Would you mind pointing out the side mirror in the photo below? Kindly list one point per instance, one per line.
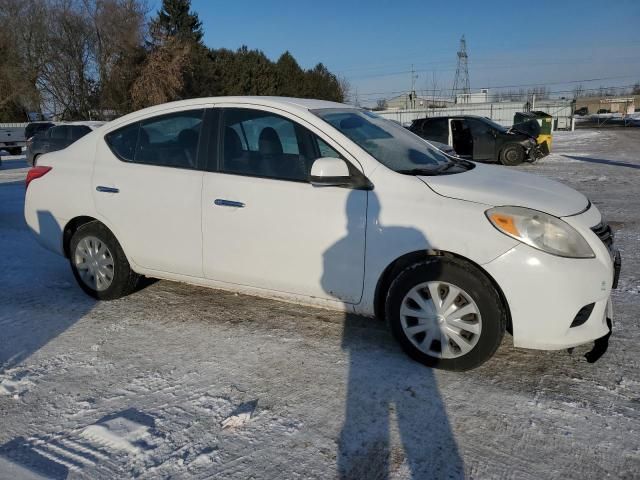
(328, 171)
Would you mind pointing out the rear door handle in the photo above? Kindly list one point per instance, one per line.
(102, 189)
(221, 202)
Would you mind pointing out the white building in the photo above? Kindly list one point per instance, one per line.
(406, 102)
(478, 97)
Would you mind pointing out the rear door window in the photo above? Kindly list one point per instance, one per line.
(168, 140)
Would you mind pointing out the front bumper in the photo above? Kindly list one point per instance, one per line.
(545, 293)
(537, 151)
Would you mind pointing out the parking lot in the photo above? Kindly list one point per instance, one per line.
(179, 381)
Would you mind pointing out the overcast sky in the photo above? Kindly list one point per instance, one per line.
(374, 43)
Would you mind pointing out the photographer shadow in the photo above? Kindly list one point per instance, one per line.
(395, 420)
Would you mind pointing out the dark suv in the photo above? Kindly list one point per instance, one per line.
(35, 128)
(56, 138)
(478, 138)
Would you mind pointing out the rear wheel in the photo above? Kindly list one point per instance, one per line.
(99, 263)
(445, 313)
(512, 155)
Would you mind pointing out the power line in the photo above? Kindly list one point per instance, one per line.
(539, 84)
(480, 63)
(530, 59)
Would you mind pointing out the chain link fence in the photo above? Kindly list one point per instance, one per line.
(499, 112)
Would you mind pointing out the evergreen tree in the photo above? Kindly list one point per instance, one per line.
(290, 76)
(178, 26)
(175, 19)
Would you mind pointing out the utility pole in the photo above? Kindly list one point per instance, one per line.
(461, 80)
(412, 94)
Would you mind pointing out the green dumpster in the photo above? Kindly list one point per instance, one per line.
(544, 120)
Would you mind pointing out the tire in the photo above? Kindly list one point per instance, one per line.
(123, 280)
(476, 292)
(512, 155)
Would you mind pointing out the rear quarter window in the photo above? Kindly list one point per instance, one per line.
(122, 142)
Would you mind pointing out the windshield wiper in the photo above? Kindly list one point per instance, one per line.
(446, 167)
(453, 162)
(419, 171)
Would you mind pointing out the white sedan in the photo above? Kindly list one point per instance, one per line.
(323, 203)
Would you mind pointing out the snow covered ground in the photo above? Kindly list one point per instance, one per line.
(180, 381)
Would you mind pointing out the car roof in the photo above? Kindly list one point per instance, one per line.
(452, 116)
(89, 123)
(291, 103)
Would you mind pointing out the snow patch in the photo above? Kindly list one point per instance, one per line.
(121, 432)
(240, 416)
(15, 384)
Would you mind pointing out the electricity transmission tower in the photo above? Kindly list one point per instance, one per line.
(461, 80)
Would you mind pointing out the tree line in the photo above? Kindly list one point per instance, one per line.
(99, 59)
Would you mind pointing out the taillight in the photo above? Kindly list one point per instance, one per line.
(35, 172)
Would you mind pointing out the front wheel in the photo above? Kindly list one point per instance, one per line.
(445, 313)
(512, 155)
(99, 263)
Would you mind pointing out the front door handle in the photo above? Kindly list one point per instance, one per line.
(102, 189)
(221, 202)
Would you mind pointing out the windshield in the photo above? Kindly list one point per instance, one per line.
(389, 143)
(495, 125)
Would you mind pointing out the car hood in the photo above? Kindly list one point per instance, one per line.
(497, 186)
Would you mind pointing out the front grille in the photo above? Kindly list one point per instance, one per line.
(604, 232)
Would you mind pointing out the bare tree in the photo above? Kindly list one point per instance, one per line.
(345, 88)
(64, 80)
(161, 77)
(24, 35)
(118, 30)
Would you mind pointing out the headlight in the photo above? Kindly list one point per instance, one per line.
(540, 230)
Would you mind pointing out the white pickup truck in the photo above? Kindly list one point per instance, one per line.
(12, 139)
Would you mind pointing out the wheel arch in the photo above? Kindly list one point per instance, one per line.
(70, 228)
(399, 264)
(509, 144)
(76, 222)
